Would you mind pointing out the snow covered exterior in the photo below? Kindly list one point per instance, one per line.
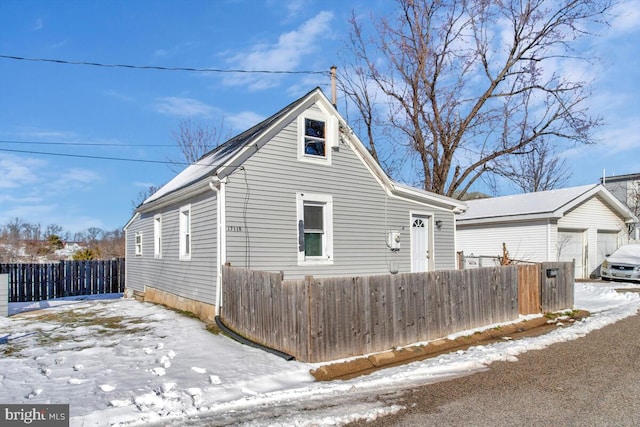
(297, 193)
(581, 224)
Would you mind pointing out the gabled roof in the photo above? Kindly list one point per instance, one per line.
(210, 162)
(543, 204)
(221, 161)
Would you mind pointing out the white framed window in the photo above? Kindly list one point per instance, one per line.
(316, 137)
(138, 243)
(185, 232)
(157, 236)
(315, 228)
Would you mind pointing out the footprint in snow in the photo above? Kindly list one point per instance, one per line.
(107, 387)
(214, 379)
(167, 387)
(33, 393)
(78, 367)
(164, 361)
(147, 350)
(75, 381)
(159, 371)
(199, 370)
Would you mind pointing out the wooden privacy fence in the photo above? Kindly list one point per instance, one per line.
(38, 282)
(320, 319)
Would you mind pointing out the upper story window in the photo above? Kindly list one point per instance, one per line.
(138, 243)
(185, 233)
(314, 137)
(157, 236)
(317, 133)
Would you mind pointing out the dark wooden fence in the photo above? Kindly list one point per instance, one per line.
(320, 319)
(38, 282)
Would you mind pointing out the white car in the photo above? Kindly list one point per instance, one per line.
(623, 264)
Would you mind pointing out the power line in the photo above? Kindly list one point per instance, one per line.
(85, 144)
(156, 67)
(83, 156)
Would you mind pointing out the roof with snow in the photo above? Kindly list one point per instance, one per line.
(230, 155)
(541, 204)
(209, 163)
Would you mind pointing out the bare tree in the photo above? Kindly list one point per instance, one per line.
(194, 140)
(142, 196)
(466, 82)
(539, 169)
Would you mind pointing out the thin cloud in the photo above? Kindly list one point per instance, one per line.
(144, 185)
(290, 51)
(38, 25)
(172, 51)
(243, 120)
(28, 133)
(626, 17)
(118, 95)
(80, 176)
(290, 9)
(19, 172)
(183, 107)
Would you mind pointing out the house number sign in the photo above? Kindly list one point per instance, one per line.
(234, 228)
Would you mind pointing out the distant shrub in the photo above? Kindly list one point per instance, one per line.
(84, 255)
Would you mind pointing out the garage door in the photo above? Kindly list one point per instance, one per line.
(607, 243)
(571, 248)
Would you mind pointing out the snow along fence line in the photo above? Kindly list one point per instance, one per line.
(43, 281)
(322, 319)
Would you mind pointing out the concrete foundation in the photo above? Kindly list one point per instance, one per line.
(205, 312)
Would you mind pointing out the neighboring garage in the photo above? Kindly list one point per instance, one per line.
(580, 224)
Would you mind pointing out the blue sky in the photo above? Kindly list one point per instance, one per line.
(132, 113)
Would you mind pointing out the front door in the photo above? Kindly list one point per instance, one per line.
(419, 243)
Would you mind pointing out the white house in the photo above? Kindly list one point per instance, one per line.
(581, 224)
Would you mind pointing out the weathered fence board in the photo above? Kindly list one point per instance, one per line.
(529, 289)
(556, 286)
(38, 282)
(319, 319)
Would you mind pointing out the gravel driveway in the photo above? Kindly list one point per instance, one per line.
(594, 381)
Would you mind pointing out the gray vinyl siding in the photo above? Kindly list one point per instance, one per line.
(261, 214)
(194, 278)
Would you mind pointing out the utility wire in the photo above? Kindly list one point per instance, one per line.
(85, 144)
(121, 159)
(156, 67)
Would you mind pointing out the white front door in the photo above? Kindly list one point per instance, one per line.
(419, 243)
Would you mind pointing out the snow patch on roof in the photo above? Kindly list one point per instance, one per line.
(540, 202)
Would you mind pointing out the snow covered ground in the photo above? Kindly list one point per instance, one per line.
(121, 362)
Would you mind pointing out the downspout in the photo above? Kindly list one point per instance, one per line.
(219, 186)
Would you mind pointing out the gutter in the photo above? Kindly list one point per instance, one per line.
(219, 186)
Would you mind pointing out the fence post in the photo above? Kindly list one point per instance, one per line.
(308, 285)
(4, 295)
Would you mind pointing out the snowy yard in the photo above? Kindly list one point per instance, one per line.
(122, 362)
